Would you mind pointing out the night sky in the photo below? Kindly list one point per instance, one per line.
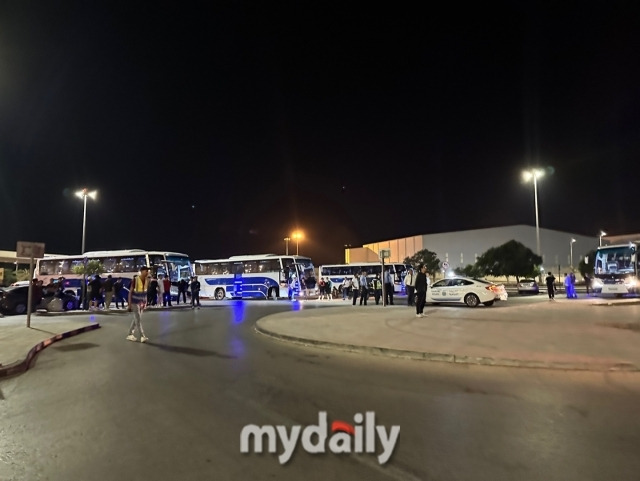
(218, 129)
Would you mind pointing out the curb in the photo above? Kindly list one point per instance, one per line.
(450, 358)
(19, 367)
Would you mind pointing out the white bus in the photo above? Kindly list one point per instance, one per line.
(265, 276)
(616, 269)
(119, 263)
(337, 272)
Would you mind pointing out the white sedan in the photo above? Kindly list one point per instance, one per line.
(471, 292)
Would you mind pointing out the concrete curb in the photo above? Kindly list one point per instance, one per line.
(451, 358)
(19, 367)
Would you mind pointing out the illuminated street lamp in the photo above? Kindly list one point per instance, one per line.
(528, 175)
(83, 194)
(297, 235)
(286, 245)
(602, 234)
(571, 251)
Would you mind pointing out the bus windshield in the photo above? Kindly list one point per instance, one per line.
(615, 260)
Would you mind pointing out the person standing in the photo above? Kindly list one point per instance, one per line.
(388, 287)
(117, 291)
(161, 290)
(183, 286)
(166, 284)
(138, 296)
(364, 288)
(421, 290)
(550, 280)
(346, 286)
(355, 288)
(377, 288)
(409, 284)
(195, 292)
(322, 286)
(108, 292)
(95, 286)
(587, 282)
(152, 294)
(573, 285)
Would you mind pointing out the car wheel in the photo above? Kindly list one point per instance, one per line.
(471, 300)
(219, 294)
(488, 303)
(20, 308)
(69, 305)
(519, 293)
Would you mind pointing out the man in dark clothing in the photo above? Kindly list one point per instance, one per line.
(388, 287)
(117, 292)
(195, 292)
(166, 296)
(587, 282)
(152, 292)
(550, 279)
(377, 288)
(95, 286)
(421, 290)
(183, 285)
(108, 292)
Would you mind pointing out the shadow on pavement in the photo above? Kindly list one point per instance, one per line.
(191, 351)
(75, 347)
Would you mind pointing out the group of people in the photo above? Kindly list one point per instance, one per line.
(102, 292)
(360, 286)
(569, 285)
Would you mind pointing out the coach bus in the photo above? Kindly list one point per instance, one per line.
(122, 264)
(616, 269)
(337, 273)
(265, 276)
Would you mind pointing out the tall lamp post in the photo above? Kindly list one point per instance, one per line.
(286, 245)
(602, 234)
(571, 251)
(83, 194)
(297, 235)
(535, 174)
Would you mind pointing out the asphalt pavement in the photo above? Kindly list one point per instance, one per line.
(96, 406)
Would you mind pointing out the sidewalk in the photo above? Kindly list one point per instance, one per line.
(581, 334)
(19, 344)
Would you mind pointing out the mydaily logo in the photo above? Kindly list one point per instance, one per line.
(345, 438)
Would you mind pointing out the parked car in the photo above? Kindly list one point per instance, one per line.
(13, 300)
(528, 286)
(471, 292)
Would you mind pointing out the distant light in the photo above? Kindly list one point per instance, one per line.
(572, 240)
(527, 175)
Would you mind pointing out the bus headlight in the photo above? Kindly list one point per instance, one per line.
(631, 283)
(596, 284)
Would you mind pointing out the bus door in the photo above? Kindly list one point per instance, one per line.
(238, 271)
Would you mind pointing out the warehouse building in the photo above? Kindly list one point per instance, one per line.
(461, 248)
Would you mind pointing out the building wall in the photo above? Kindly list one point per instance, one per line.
(462, 247)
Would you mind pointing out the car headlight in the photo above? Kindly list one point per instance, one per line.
(597, 284)
(630, 283)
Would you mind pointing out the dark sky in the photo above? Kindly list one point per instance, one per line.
(216, 130)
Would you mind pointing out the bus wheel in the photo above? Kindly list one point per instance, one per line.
(272, 293)
(219, 294)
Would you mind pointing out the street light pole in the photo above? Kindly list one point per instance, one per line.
(83, 194)
(571, 251)
(297, 235)
(535, 174)
(602, 234)
(286, 245)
